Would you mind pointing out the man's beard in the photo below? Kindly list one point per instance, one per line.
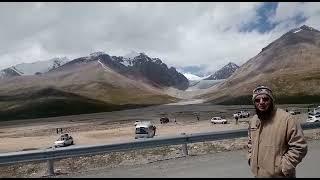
(264, 114)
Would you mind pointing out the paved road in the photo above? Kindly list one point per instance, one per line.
(225, 164)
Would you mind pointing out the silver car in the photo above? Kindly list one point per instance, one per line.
(63, 140)
(218, 120)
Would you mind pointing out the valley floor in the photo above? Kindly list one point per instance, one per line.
(111, 127)
(118, 126)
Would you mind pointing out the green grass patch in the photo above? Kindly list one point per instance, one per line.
(52, 103)
(52, 107)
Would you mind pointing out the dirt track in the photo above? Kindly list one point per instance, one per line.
(42, 136)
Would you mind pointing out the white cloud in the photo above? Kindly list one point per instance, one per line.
(286, 13)
(178, 33)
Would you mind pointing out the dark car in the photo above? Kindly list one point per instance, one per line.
(164, 120)
(294, 112)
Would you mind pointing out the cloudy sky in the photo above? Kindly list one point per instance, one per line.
(181, 34)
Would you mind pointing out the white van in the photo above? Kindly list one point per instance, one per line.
(144, 129)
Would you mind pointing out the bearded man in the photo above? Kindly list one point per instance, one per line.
(276, 143)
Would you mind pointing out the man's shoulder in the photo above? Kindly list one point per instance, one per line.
(283, 115)
(281, 112)
(253, 119)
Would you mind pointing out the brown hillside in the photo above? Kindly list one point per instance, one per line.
(290, 65)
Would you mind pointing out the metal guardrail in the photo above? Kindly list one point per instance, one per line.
(54, 154)
(306, 126)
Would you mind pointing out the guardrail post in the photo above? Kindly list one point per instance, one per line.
(184, 147)
(50, 167)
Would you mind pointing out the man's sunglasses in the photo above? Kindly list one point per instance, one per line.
(264, 99)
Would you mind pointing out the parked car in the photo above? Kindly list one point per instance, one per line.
(241, 114)
(145, 129)
(218, 120)
(164, 120)
(313, 117)
(292, 112)
(63, 140)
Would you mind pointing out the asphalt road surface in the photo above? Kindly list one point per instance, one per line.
(224, 164)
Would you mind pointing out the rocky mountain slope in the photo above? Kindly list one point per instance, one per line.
(95, 83)
(225, 72)
(290, 66)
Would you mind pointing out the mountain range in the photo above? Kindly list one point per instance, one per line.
(290, 65)
(38, 67)
(94, 83)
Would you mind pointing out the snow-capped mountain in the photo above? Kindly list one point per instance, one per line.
(95, 54)
(139, 66)
(33, 68)
(10, 72)
(224, 72)
(134, 65)
(304, 27)
(85, 85)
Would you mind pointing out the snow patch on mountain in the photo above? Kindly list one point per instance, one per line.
(105, 67)
(192, 77)
(297, 30)
(39, 66)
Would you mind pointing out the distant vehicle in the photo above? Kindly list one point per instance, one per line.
(313, 117)
(316, 110)
(292, 112)
(63, 140)
(145, 129)
(218, 120)
(241, 114)
(164, 120)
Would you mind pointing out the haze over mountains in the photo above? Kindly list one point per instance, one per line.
(205, 82)
(100, 82)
